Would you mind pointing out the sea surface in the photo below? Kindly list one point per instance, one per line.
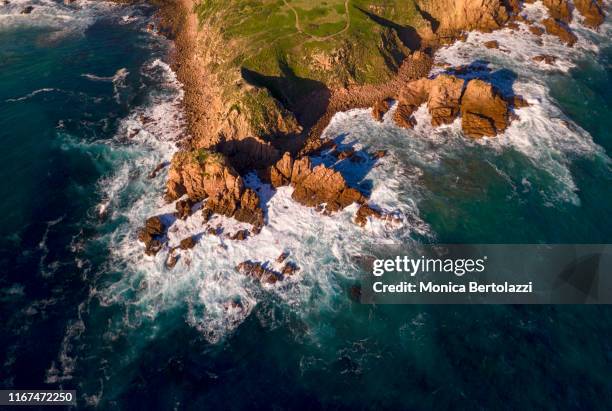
(89, 106)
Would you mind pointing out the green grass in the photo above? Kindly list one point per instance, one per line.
(262, 38)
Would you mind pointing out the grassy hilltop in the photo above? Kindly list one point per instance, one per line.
(290, 48)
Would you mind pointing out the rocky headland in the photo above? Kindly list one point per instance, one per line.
(260, 90)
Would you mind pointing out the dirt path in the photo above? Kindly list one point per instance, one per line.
(298, 27)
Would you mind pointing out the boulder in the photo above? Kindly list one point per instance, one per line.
(282, 257)
(545, 58)
(557, 28)
(591, 11)
(183, 208)
(444, 99)
(239, 235)
(289, 269)
(257, 270)
(187, 243)
(412, 95)
(559, 10)
(518, 102)
(249, 210)
(151, 234)
(280, 173)
(379, 154)
(201, 174)
(484, 111)
(493, 44)
(538, 31)
(380, 108)
(365, 211)
(27, 10)
(324, 185)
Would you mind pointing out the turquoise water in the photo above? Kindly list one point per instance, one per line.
(87, 112)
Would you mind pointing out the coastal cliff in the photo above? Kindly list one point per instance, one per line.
(263, 80)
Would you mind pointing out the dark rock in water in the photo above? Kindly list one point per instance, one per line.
(157, 169)
(518, 102)
(365, 211)
(5, 2)
(346, 154)
(206, 214)
(538, 31)
(493, 44)
(546, 58)
(152, 247)
(379, 154)
(282, 257)
(171, 260)
(379, 109)
(258, 271)
(150, 233)
(561, 30)
(355, 293)
(213, 231)
(289, 269)
(240, 235)
(187, 243)
(183, 208)
(27, 10)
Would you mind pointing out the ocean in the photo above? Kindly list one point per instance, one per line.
(89, 106)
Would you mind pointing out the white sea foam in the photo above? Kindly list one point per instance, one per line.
(32, 94)
(218, 298)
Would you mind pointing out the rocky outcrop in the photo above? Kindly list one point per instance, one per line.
(204, 175)
(313, 186)
(412, 95)
(559, 10)
(201, 174)
(187, 243)
(559, 29)
(380, 109)
(183, 208)
(264, 273)
(151, 235)
(591, 11)
(545, 58)
(484, 111)
(324, 185)
(444, 99)
(455, 16)
(364, 212)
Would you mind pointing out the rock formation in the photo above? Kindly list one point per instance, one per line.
(151, 235)
(380, 108)
(203, 175)
(484, 111)
(591, 11)
(559, 29)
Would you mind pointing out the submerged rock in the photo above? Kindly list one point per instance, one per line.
(27, 10)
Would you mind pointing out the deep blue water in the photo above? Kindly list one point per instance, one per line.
(61, 328)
